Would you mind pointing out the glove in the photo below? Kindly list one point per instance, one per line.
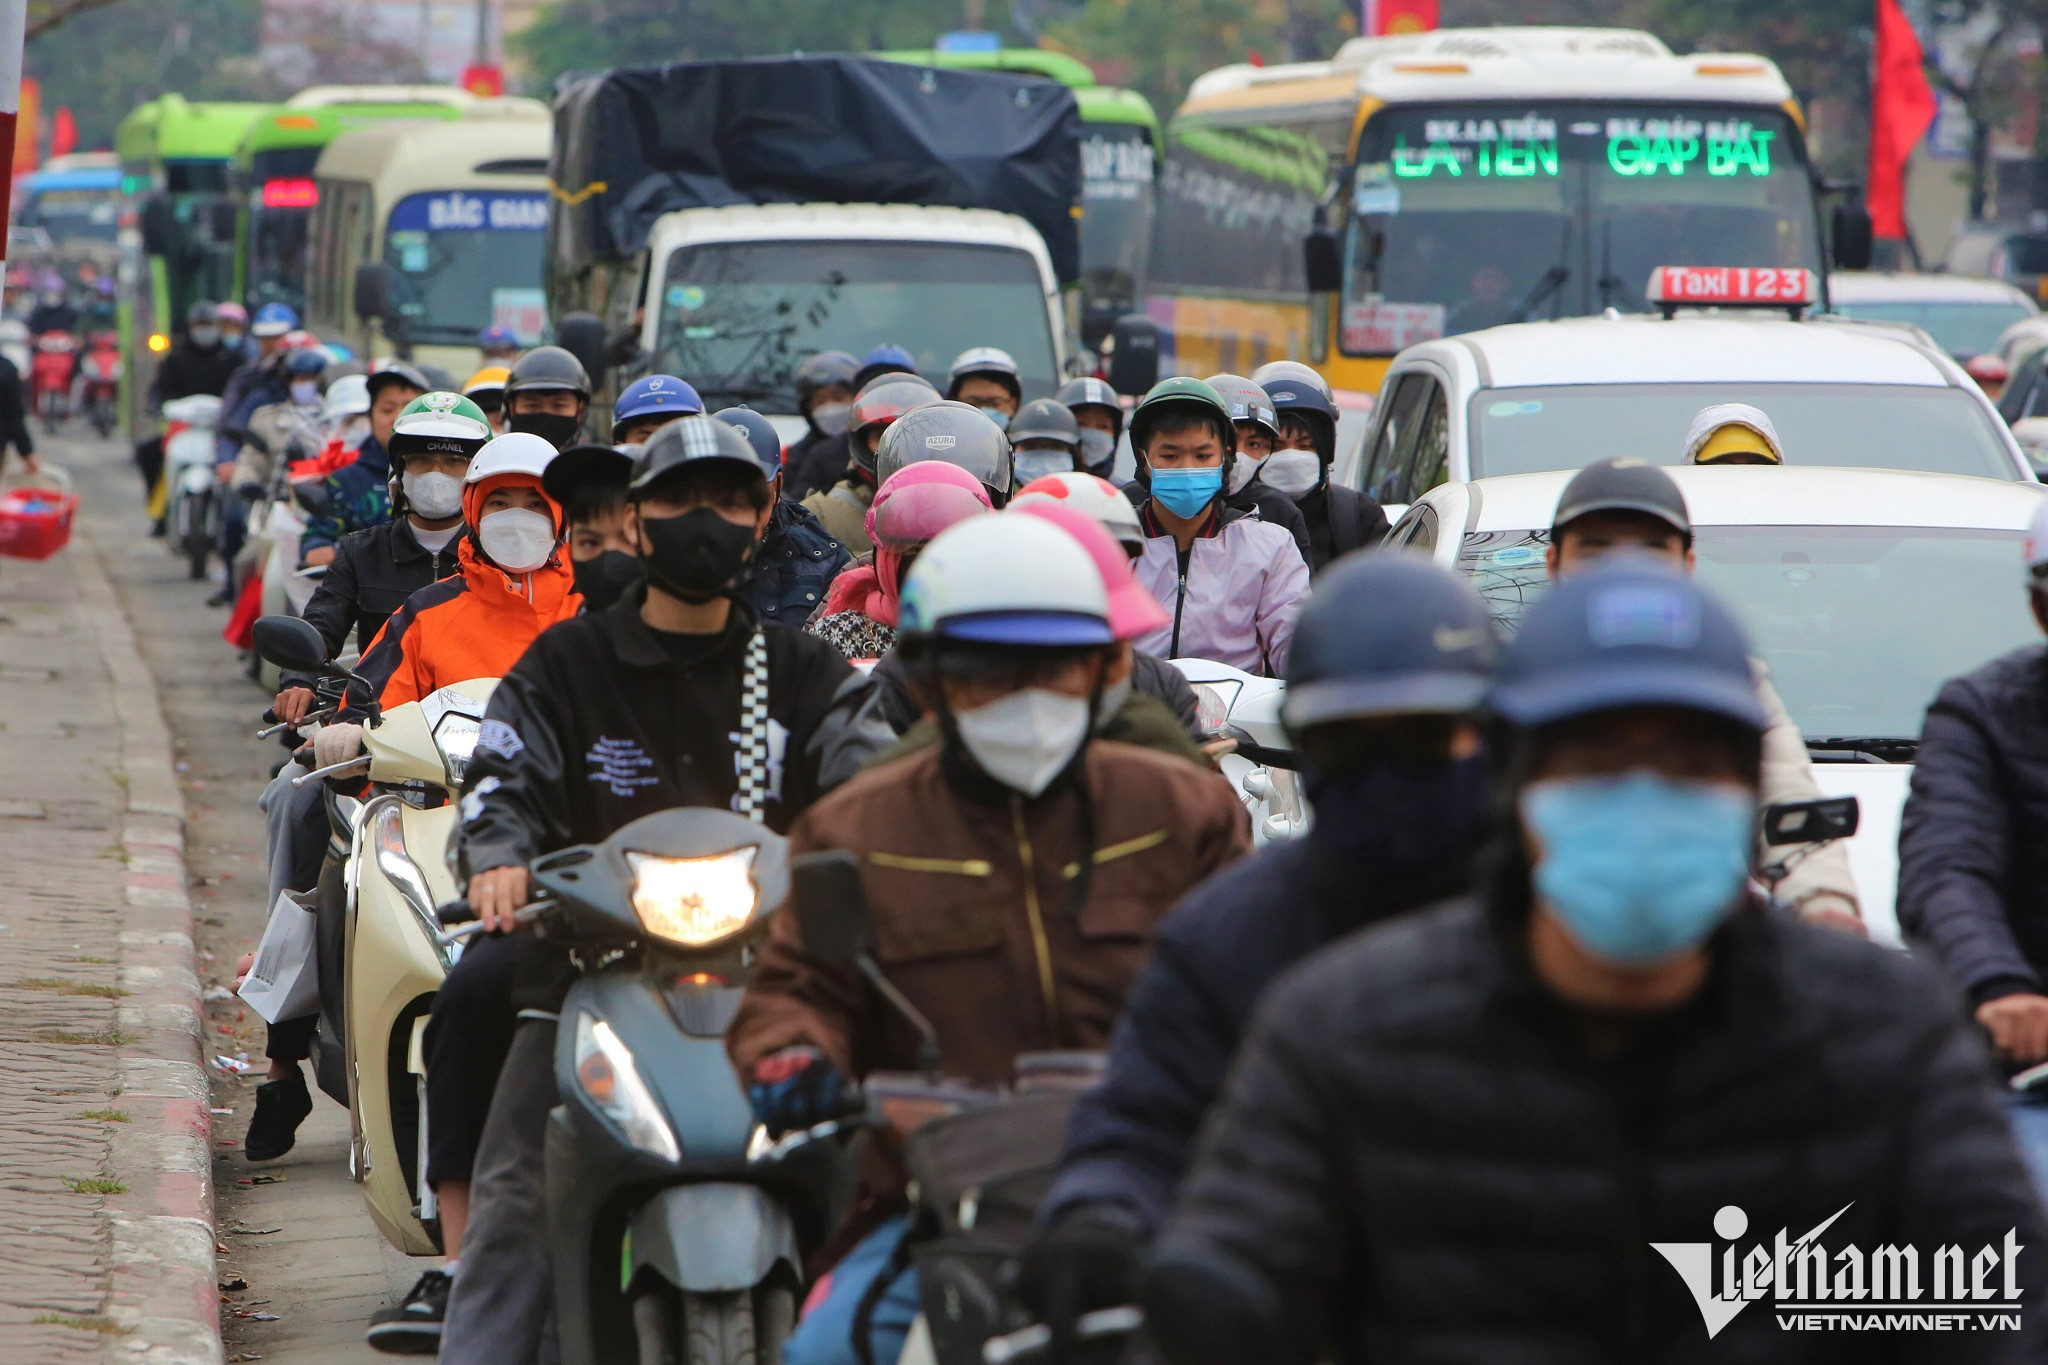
(1088, 1260)
(334, 744)
(795, 1088)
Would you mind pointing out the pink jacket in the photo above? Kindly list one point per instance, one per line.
(1245, 586)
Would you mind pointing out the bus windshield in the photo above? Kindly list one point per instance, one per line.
(739, 317)
(1470, 216)
(468, 259)
(1116, 220)
(75, 213)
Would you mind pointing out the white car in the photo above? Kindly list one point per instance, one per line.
(1966, 317)
(1538, 396)
(1863, 591)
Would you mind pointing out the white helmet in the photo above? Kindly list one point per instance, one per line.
(1275, 371)
(1098, 499)
(982, 360)
(965, 587)
(516, 452)
(348, 396)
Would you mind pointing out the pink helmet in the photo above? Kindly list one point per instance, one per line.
(913, 505)
(232, 312)
(1133, 611)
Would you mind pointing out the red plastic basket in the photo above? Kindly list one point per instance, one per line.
(35, 519)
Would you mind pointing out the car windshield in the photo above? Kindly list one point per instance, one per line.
(1961, 329)
(468, 259)
(1864, 426)
(1858, 625)
(739, 317)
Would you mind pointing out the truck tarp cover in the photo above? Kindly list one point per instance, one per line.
(635, 143)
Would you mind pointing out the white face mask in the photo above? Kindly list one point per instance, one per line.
(1026, 739)
(1097, 447)
(1243, 469)
(306, 393)
(518, 541)
(435, 496)
(832, 418)
(354, 432)
(1293, 472)
(1027, 465)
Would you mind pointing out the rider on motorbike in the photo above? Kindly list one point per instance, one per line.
(547, 394)
(824, 398)
(1101, 418)
(1339, 519)
(486, 389)
(843, 508)
(358, 494)
(649, 403)
(1258, 433)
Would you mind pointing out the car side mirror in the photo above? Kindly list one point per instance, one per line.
(290, 643)
(1134, 355)
(1805, 822)
(1322, 253)
(372, 295)
(1853, 237)
(831, 906)
(583, 336)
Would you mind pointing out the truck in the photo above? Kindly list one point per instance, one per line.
(725, 220)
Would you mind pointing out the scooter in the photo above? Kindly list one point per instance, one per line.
(50, 374)
(377, 933)
(99, 382)
(195, 491)
(1235, 705)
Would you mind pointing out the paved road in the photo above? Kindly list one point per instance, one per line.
(301, 1241)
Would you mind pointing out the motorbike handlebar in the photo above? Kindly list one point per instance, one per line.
(452, 913)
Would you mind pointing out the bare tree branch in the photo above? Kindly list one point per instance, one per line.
(45, 15)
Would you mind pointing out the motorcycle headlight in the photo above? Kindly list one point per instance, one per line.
(609, 1079)
(694, 901)
(455, 736)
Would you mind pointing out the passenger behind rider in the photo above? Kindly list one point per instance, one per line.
(1044, 439)
(1339, 519)
(824, 399)
(1258, 432)
(966, 843)
(1233, 583)
(547, 393)
(358, 494)
(1100, 415)
(843, 509)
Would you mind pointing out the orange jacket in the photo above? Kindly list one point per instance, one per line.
(473, 625)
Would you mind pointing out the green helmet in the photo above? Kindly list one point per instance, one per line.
(439, 422)
(1180, 392)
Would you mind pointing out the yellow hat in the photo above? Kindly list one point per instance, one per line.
(489, 377)
(1736, 438)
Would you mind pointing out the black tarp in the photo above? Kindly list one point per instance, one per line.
(634, 143)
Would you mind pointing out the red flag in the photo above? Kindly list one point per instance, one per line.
(483, 80)
(1400, 16)
(1901, 108)
(63, 132)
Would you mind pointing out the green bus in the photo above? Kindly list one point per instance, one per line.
(1119, 147)
(272, 175)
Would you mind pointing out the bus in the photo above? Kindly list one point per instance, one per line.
(451, 220)
(1119, 148)
(273, 175)
(1471, 177)
(74, 199)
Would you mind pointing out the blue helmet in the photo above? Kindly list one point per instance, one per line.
(308, 360)
(654, 395)
(273, 320)
(760, 434)
(1388, 634)
(497, 337)
(1626, 632)
(884, 359)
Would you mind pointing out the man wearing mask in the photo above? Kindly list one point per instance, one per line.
(1258, 430)
(196, 362)
(1044, 439)
(824, 398)
(986, 378)
(1100, 414)
(843, 509)
(1233, 583)
(1541, 1122)
(1016, 668)
(260, 379)
(797, 559)
(1339, 519)
(1391, 661)
(649, 403)
(274, 430)
(589, 481)
(359, 493)
(658, 680)
(547, 394)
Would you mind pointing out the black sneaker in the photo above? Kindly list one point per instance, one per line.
(413, 1328)
(281, 1106)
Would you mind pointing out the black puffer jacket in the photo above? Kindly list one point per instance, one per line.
(816, 463)
(373, 571)
(1340, 520)
(1433, 1160)
(1973, 843)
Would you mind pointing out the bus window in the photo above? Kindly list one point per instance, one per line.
(1116, 222)
(1234, 205)
(468, 259)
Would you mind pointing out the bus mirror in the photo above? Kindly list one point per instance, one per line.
(1853, 237)
(373, 290)
(1133, 349)
(159, 227)
(1323, 259)
(582, 335)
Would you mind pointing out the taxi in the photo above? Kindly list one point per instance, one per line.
(1535, 396)
(1863, 592)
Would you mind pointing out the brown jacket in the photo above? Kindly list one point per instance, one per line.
(969, 903)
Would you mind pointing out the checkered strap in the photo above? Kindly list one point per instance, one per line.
(753, 797)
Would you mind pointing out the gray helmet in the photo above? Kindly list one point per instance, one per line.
(1284, 371)
(955, 433)
(1090, 392)
(548, 367)
(1246, 401)
(202, 314)
(688, 440)
(397, 372)
(1045, 419)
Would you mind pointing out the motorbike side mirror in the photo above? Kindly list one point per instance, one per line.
(372, 294)
(1134, 355)
(582, 335)
(1853, 237)
(1807, 822)
(1322, 258)
(291, 643)
(831, 906)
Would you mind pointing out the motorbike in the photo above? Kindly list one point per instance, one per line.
(194, 483)
(50, 374)
(1235, 705)
(382, 954)
(99, 382)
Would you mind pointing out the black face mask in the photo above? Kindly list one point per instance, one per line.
(604, 579)
(554, 428)
(1399, 821)
(697, 555)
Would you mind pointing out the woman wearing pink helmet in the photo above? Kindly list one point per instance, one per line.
(912, 505)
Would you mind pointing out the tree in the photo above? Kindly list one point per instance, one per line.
(104, 62)
(45, 15)
(1158, 47)
(1970, 58)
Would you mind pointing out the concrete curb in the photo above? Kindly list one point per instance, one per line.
(163, 1289)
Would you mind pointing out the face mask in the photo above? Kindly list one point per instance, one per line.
(1026, 739)
(204, 335)
(831, 419)
(603, 579)
(1640, 867)
(696, 555)
(1243, 470)
(1027, 465)
(1098, 448)
(518, 541)
(998, 416)
(231, 340)
(1400, 821)
(1114, 695)
(555, 428)
(1293, 472)
(434, 496)
(1185, 492)
(306, 393)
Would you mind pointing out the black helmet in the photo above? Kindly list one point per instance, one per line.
(1090, 392)
(687, 440)
(955, 433)
(397, 372)
(548, 367)
(1308, 404)
(826, 367)
(1388, 634)
(1045, 419)
(874, 382)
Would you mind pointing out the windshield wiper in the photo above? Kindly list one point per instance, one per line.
(1552, 281)
(1863, 749)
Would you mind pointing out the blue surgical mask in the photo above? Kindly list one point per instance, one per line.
(1185, 492)
(1640, 867)
(998, 416)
